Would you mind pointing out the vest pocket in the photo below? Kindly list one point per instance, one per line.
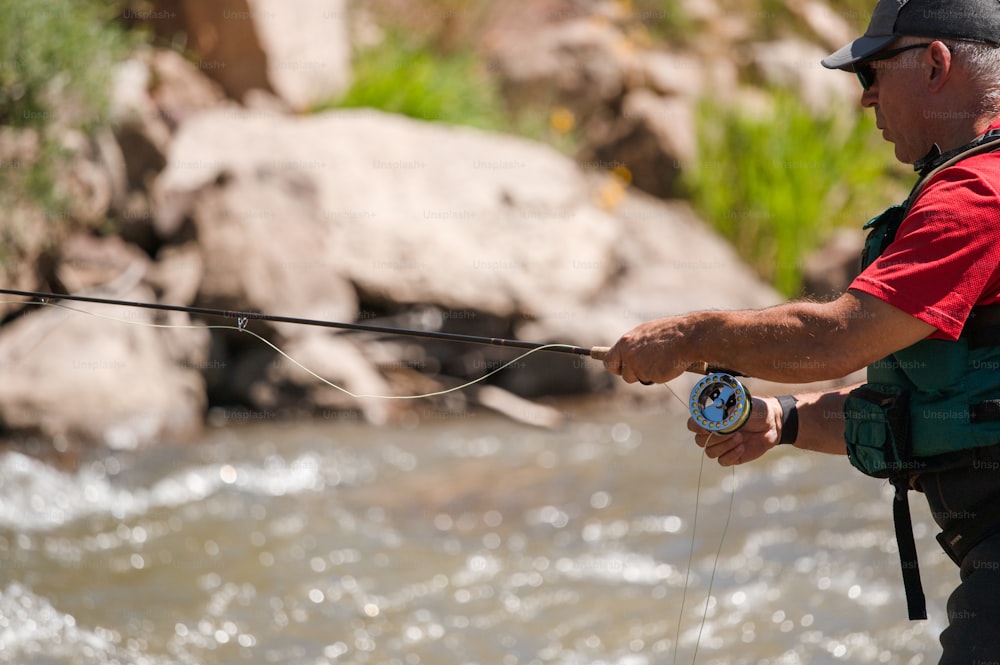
(877, 430)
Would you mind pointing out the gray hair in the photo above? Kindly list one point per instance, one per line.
(983, 64)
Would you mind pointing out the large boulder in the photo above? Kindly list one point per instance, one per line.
(581, 64)
(794, 64)
(107, 379)
(319, 216)
(293, 209)
(667, 262)
(309, 216)
(653, 139)
(298, 51)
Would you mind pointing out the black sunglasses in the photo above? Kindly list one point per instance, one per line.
(866, 73)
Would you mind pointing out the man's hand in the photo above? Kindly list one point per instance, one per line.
(646, 353)
(760, 433)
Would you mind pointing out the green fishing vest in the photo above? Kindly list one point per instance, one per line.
(924, 405)
(930, 406)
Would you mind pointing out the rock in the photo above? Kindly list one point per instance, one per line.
(667, 74)
(91, 179)
(86, 184)
(178, 89)
(177, 274)
(674, 263)
(24, 228)
(795, 64)
(299, 51)
(142, 134)
(308, 49)
(834, 27)
(407, 211)
(579, 64)
(517, 408)
(654, 138)
(667, 262)
(308, 216)
(827, 272)
(325, 373)
(153, 92)
(86, 261)
(523, 17)
(141, 130)
(175, 277)
(264, 248)
(356, 203)
(718, 26)
(79, 378)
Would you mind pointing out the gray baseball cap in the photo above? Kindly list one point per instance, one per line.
(969, 20)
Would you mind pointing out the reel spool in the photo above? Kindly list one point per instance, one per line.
(720, 403)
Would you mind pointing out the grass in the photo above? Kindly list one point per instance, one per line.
(410, 79)
(54, 53)
(776, 185)
(56, 60)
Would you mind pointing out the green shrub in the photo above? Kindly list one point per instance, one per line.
(411, 79)
(776, 185)
(667, 22)
(54, 53)
(56, 63)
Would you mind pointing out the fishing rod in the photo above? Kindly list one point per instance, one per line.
(718, 402)
(242, 318)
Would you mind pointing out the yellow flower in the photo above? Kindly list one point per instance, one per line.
(623, 173)
(562, 120)
(611, 193)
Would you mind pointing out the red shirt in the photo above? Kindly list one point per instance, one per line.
(945, 258)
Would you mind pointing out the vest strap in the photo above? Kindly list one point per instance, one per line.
(916, 604)
(928, 167)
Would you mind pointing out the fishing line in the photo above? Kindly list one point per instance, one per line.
(715, 564)
(241, 327)
(690, 562)
(724, 419)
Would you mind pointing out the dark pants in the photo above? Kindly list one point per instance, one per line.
(957, 497)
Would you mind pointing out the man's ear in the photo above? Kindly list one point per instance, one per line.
(938, 58)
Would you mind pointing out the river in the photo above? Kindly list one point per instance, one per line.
(460, 540)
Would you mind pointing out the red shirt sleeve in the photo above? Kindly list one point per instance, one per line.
(945, 258)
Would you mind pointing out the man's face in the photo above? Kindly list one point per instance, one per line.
(895, 96)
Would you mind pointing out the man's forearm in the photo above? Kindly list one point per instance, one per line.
(795, 342)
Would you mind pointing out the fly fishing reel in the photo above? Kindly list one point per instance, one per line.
(720, 403)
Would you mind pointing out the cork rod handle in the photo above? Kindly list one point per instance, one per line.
(601, 352)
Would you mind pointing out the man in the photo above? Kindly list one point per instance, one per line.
(923, 316)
